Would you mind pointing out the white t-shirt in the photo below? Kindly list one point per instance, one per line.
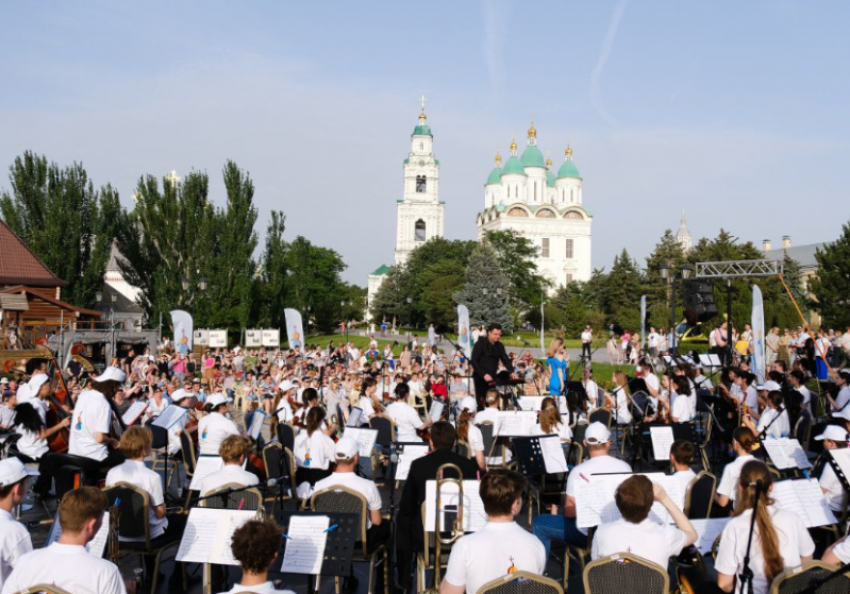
(30, 444)
(596, 465)
(779, 427)
(562, 430)
(653, 541)
(752, 399)
(212, 430)
(496, 550)
(683, 409)
(794, 543)
(653, 339)
(592, 391)
(14, 541)
(731, 473)
(368, 409)
(230, 473)
(139, 475)
(267, 588)
(317, 449)
(843, 397)
(806, 393)
(586, 336)
(653, 383)
(834, 489)
(351, 481)
(624, 415)
(488, 415)
(685, 477)
(406, 420)
(92, 414)
(284, 411)
(72, 566)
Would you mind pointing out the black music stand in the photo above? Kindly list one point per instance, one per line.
(529, 456)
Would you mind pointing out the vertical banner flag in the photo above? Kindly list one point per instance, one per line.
(757, 339)
(642, 322)
(542, 329)
(294, 328)
(183, 326)
(432, 335)
(463, 337)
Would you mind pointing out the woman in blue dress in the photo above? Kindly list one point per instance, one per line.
(558, 364)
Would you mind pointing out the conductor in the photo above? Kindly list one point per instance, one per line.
(486, 354)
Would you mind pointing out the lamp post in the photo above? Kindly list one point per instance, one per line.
(665, 272)
(202, 286)
(344, 304)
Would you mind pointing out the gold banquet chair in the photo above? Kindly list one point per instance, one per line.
(42, 589)
(521, 582)
(798, 579)
(621, 573)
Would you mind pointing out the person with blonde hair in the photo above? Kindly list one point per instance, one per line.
(618, 399)
(558, 365)
(550, 422)
(780, 540)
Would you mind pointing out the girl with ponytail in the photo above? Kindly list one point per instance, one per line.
(468, 432)
(744, 442)
(780, 541)
(550, 421)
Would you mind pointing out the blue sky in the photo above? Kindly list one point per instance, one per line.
(734, 111)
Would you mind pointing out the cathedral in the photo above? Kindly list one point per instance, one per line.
(526, 196)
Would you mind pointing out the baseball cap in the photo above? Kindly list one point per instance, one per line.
(770, 386)
(36, 382)
(833, 433)
(286, 385)
(346, 448)
(216, 400)
(469, 404)
(179, 394)
(4, 380)
(597, 433)
(12, 470)
(111, 374)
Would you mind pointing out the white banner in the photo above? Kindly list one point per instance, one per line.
(294, 328)
(271, 338)
(183, 325)
(253, 338)
(218, 339)
(202, 337)
(757, 339)
(463, 337)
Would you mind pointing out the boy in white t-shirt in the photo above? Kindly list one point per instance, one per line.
(681, 457)
(15, 540)
(501, 547)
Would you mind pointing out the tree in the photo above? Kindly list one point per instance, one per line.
(517, 257)
(486, 293)
(68, 224)
(831, 285)
(271, 281)
(389, 301)
(314, 284)
(623, 289)
(440, 282)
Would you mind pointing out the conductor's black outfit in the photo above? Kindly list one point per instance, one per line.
(485, 361)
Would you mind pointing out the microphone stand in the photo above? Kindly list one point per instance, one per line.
(746, 575)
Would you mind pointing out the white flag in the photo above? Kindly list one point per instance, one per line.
(294, 328)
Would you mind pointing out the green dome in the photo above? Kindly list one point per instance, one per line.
(495, 176)
(568, 169)
(422, 130)
(532, 157)
(550, 179)
(513, 167)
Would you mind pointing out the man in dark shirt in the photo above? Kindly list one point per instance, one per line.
(486, 354)
(410, 533)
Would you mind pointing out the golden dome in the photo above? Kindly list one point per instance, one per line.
(548, 161)
(532, 131)
(498, 160)
(513, 144)
(569, 151)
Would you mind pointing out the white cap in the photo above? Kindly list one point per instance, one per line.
(4, 380)
(770, 386)
(37, 381)
(833, 433)
(179, 394)
(844, 413)
(346, 448)
(216, 400)
(597, 433)
(111, 374)
(286, 385)
(12, 470)
(469, 404)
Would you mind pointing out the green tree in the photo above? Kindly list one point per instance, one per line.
(623, 288)
(831, 285)
(486, 293)
(440, 282)
(517, 257)
(68, 224)
(314, 284)
(389, 302)
(270, 283)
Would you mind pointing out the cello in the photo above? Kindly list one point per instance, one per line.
(57, 409)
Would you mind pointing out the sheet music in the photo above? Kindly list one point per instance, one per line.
(553, 454)
(474, 516)
(595, 498)
(354, 417)
(786, 453)
(530, 402)
(205, 466)
(258, 419)
(209, 533)
(436, 410)
(707, 532)
(515, 423)
(804, 498)
(662, 439)
(132, 414)
(96, 546)
(842, 459)
(305, 548)
(406, 458)
(169, 416)
(365, 437)
(562, 405)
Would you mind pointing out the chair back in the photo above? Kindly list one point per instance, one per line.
(42, 589)
(286, 435)
(273, 459)
(487, 430)
(803, 430)
(798, 579)
(133, 518)
(601, 415)
(621, 572)
(700, 496)
(223, 498)
(342, 500)
(521, 582)
(463, 448)
(384, 425)
(187, 449)
(160, 437)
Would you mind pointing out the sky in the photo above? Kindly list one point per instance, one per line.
(733, 111)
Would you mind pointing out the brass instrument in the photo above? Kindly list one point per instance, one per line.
(456, 528)
(112, 539)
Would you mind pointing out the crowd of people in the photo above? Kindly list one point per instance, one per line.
(107, 422)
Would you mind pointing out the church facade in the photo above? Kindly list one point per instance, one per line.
(525, 195)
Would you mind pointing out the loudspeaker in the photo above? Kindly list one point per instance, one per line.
(698, 301)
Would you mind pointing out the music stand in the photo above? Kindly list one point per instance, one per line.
(640, 402)
(529, 456)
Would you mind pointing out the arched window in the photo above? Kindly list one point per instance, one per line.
(419, 234)
(420, 184)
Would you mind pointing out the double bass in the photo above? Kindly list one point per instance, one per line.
(57, 408)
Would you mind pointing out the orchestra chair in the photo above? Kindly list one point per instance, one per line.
(42, 589)
(190, 457)
(578, 554)
(521, 582)
(793, 581)
(803, 431)
(71, 473)
(699, 496)
(342, 500)
(578, 452)
(286, 435)
(601, 415)
(162, 462)
(280, 465)
(492, 445)
(463, 448)
(222, 498)
(418, 402)
(134, 522)
(386, 430)
(621, 572)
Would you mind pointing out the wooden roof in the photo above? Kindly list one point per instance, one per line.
(36, 294)
(19, 266)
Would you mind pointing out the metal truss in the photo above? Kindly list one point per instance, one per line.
(739, 268)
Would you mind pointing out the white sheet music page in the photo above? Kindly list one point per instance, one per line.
(209, 533)
(804, 498)
(595, 498)
(474, 516)
(515, 423)
(169, 416)
(134, 412)
(365, 438)
(786, 453)
(530, 402)
(707, 532)
(662, 439)
(205, 466)
(258, 418)
(553, 454)
(436, 410)
(406, 458)
(305, 547)
(354, 417)
(842, 459)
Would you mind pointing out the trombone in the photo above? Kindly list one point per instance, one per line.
(456, 527)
